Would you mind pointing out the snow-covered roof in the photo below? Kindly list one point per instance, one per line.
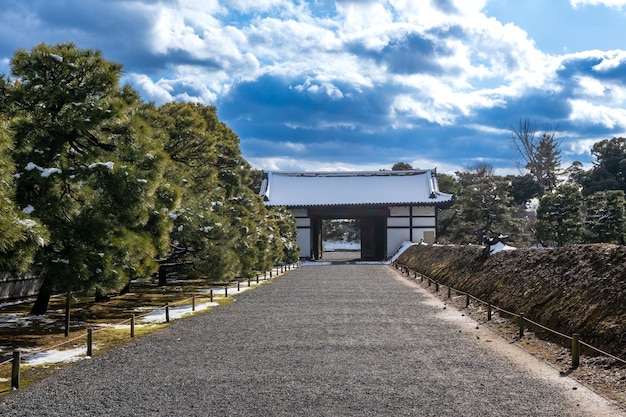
(300, 189)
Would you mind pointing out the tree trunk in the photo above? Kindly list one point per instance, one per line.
(126, 288)
(162, 276)
(43, 299)
(101, 295)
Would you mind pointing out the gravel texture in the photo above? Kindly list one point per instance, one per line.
(332, 340)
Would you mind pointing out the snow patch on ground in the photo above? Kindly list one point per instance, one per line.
(405, 245)
(56, 356)
(176, 312)
(499, 247)
(332, 245)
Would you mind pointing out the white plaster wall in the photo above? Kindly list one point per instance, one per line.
(304, 242)
(395, 237)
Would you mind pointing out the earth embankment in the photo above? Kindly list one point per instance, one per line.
(575, 289)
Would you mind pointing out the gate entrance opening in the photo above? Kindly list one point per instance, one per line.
(372, 226)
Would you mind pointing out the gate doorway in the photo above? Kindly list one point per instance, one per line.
(368, 245)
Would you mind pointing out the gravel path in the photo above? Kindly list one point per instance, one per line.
(338, 340)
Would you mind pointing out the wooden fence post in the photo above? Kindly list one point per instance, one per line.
(449, 292)
(68, 298)
(211, 294)
(257, 278)
(238, 286)
(225, 291)
(132, 326)
(467, 300)
(193, 303)
(436, 286)
(167, 312)
(489, 312)
(521, 326)
(575, 350)
(15, 371)
(89, 342)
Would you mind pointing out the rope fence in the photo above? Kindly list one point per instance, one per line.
(523, 322)
(19, 356)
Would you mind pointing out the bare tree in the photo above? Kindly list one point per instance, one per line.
(540, 153)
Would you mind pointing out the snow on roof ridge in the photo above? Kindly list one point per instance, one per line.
(351, 173)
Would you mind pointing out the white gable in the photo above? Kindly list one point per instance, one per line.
(298, 189)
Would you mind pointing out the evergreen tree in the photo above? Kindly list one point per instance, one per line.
(609, 170)
(483, 208)
(559, 216)
(401, 166)
(21, 235)
(606, 214)
(201, 241)
(87, 167)
(284, 233)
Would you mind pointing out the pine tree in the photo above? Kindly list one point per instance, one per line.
(559, 216)
(87, 167)
(483, 208)
(21, 235)
(606, 214)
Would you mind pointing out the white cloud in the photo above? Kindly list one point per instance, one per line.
(580, 146)
(584, 112)
(158, 92)
(607, 3)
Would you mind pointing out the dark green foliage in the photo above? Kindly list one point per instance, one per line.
(609, 170)
(119, 186)
(348, 230)
(606, 213)
(483, 208)
(523, 188)
(21, 235)
(401, 166)
(87, 165)
(559, 216)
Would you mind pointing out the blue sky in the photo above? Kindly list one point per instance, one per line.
(360, 85)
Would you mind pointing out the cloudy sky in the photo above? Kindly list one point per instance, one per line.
(361, 84)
